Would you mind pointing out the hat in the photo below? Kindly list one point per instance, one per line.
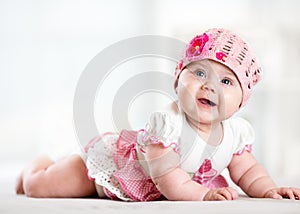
(228, 48)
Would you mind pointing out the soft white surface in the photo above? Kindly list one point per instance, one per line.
(11, 203)
(17, 204)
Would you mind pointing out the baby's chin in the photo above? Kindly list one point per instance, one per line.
(204, 118)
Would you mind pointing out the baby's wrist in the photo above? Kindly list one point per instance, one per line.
(206, 195)
(266, 193)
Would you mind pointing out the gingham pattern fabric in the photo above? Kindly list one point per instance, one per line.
(130, 174)
(112, 163)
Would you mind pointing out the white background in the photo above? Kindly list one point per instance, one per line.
(46, 44)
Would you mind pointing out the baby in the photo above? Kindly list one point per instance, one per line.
(182, 151)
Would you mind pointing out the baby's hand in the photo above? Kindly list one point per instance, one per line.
(221, 194)
(283, 192)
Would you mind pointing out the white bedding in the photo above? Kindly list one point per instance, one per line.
(11, 203)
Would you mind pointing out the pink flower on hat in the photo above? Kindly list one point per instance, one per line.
(196, 45)
(179, 65)
(221, 56)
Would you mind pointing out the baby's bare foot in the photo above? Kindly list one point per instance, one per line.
(19, 185)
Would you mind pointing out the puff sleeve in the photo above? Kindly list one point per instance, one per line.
(244, 136)
(162, 128)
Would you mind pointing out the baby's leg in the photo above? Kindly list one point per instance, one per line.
(65, 178)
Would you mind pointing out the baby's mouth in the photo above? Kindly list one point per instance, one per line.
(207, 102)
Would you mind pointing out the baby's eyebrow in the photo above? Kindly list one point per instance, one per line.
(228, 73)
(197, 66)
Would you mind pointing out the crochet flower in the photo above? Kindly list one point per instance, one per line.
(221, 56)
(196, 45)
(179, 65)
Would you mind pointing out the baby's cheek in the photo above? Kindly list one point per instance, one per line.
(183, 94)
(231, 106)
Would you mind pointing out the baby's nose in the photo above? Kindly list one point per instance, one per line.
(209, 85)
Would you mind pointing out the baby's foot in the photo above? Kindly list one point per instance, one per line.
(19, 185)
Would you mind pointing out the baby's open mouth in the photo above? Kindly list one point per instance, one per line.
(207, 102)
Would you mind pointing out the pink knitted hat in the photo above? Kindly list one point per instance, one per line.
(226, 47)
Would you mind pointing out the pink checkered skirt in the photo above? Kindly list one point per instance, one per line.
(112, 163)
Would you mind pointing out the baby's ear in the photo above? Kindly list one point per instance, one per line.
(176, 86)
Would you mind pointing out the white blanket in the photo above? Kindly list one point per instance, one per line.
(12, 203)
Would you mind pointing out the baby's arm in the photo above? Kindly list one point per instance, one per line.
(176, 184)
(254, 179)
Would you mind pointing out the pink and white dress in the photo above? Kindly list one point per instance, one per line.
(116, 161)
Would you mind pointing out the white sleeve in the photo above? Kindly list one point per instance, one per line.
(244, 135)
(161, 128)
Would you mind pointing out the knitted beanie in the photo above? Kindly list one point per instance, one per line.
(228, 48)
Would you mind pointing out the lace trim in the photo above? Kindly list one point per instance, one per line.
(247, 148)
(144, 139)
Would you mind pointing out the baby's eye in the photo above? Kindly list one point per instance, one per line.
(226, 81)
(200, 73)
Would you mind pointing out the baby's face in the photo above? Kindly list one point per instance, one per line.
(208, 91)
